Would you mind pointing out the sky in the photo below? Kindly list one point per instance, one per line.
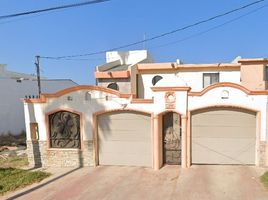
(106, 25)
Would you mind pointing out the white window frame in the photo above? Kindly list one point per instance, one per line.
(210, 78)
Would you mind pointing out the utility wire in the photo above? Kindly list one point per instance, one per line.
(157, 36)
(51, 9)
(182, 39)
(210, 29)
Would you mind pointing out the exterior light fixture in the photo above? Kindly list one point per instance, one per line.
(225, 94)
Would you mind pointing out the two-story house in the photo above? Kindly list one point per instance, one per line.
(149, 114)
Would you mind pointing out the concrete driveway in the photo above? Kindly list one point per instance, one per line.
(120, 183)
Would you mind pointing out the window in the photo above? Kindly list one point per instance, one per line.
(34, 131)
(266, 73)
(156, 79)
(64, 130)
(113, 86)
(210, 78)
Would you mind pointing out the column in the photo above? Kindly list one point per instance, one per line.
(183, 142)
(156, 143)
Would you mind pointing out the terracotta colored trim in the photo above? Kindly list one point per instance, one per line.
(165, 89)
(185, 67)
(43, 98)
(258, 138)
(142, 101)
(95, 130)
(170, 110)
(157, 141)
(227, 84)
(188, 138)
(254, 61)
(153, 144)
(224, 106)
(258, 125)
(123, 95)
(115, 74)
(183, 142)
(95, 140)
(121, 109)
(82, 128)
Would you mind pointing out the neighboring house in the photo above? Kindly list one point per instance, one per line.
(14, 75)
(16, 86)
(169, 113)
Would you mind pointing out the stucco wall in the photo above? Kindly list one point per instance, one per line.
(191, 79)
(99, 102)
(103, 101)
(252, 76)
(123, 84)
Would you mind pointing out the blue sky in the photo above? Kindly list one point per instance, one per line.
(117, 22)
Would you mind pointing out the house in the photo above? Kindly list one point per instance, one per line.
(4, 73)
(14, 86)
(151, 114)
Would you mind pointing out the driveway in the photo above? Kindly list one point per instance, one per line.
(133, 183)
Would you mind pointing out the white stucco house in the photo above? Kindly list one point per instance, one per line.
(151, 114)
(14, 86)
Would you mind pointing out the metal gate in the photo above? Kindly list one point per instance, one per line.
(171, 138)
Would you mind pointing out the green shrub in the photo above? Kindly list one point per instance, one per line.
(264, 179)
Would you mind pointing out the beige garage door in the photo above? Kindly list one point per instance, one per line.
(223, 136)
(124, 138)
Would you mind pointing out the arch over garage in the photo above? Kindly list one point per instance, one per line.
(228, 84)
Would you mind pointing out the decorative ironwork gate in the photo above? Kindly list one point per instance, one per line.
(64, 128)
(171, 138)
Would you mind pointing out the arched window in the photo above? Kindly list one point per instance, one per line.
(113, 86)
(64, 130)
(156, 79)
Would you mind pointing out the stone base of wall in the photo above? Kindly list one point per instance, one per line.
(35, 152)
(263, 162)
(40, 156)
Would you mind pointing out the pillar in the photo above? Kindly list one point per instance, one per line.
(184, 142)
(156, 143)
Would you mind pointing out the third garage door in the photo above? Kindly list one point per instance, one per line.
(124, 138)
(223, 136)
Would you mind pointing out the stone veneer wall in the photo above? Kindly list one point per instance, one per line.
(263, 162)
(40, 156)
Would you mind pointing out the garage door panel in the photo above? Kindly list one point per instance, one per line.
(224, 131)
(123, 159)
(223, 136)
(223, 158)
(124, 138)
(119, 147)
(231, 120)
(238, 145)
(114, 125)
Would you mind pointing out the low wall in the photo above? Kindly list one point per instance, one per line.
(40, 156)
